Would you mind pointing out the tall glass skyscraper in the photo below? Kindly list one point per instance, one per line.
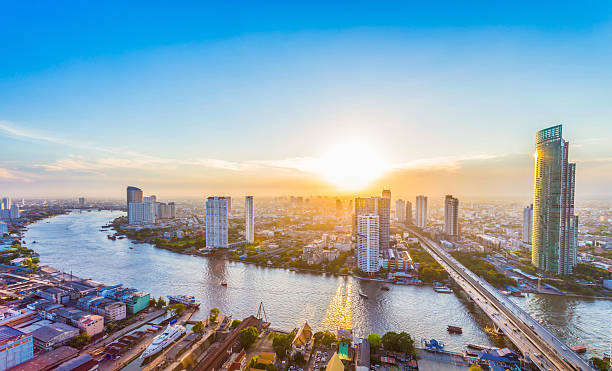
(216, 222)
(555, 226)
(249, 219)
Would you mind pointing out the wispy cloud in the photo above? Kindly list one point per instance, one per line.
(442, 162)
(8, 175)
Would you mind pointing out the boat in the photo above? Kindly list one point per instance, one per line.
(480, 347)
(170, 334)
(224, 284)
(470, 353)
(131, 248)
(385, 288)
(517, 294)
(443, 290)
(188, 301)
(111, 237)
(409, 281)
(454, 329)
(579, 349)
(363, 295)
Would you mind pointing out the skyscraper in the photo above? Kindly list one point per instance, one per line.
(216, 222)
(249, 219)
(421, 211)
(408, 212)
(527, 224)
(367, 243)
(141, 213)
(451, 216)
(400, 210)
(555, 227)
(134, 194)
(6, 203)
(380, 206)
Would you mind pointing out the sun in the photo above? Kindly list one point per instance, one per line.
(351, 165)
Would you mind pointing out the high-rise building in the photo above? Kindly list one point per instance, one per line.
(228, 199)
(6, 203)
(451, 216)
(249, 219)
(380, 206)
(3, 229)
(14, 212)
(408, 212)
(367, 244)
(421, 211)
(141, 213)
(216, 222)
(134, 194)
(555, 227)
(339, 207)
(165, 210)
(386, 193)
(400, 210)
(81, 201)
(527, 224)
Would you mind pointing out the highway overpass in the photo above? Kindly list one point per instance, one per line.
(536, 343)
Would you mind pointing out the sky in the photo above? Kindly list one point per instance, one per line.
(278, 98)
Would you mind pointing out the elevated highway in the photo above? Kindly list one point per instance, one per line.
(536, 343)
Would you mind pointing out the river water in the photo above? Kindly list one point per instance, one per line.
(74, 243)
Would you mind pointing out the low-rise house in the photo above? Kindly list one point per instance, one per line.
(51, 336)
(92, 324)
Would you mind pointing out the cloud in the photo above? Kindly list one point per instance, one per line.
(442, 163)
(6, 175)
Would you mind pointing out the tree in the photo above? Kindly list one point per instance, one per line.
(475, 367)
(282, 343)
(299, 358)
(600, 364)
(80, 341)
(401, 342)
(160, 302)
(325, 338)
(152, 303)
(374, 340)
(235, 323)
(198, 328)
(179, 308)
(248, 336)
(213, 314)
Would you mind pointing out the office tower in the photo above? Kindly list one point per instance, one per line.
(141, 213)
(6, 203)
(216, 222)
(386, 193)
(152, 199)
(3, 228)
(81, 201)
(451, 216)
(555, 227)
(380, 206)
(527, 224)
(421, 211)
(367, 244)
(249, 219)
(134, 194)
(408, 212)
(172, 207)
(14, 211)
(400, 210)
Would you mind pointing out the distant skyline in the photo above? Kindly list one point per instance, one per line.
(264, 98)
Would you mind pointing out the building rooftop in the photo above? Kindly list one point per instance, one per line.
(49, 332)
(9, 334)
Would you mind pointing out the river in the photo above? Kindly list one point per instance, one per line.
(74, 243)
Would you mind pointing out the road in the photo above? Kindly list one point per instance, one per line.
(535, 341)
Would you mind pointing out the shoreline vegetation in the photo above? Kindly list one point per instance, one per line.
(429, 270)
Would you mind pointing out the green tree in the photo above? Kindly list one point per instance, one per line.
(282, 343)
(248, 336)
(160, 302)
(235, 323)
(213, 314)
(325, 338)
(80, 341)
(374, 340)
(600, 364)
(152, 303)
(198, 328)
(299, 359)
(179, 308)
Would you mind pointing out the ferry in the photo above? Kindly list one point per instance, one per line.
(579, 349)
(189, 301)
(224, 284)
(443, 289)
(170, 334)
(480, 347)
(363, 295)
(111, 237)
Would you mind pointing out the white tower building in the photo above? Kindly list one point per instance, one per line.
(367, 245)
(249, 219)
(421, 211)
(216, 222)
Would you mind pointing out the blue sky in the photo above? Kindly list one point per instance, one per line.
(242, 97)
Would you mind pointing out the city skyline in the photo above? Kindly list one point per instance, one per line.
(302, 101)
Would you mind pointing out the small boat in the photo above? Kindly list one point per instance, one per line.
(480, 347)
(361, 293)
(443, 290)
(470, 353)
(131, 248)
(385, 288)
(189, 301)
(111, 237)
(579, 349)
(454, 329)
(224, 284)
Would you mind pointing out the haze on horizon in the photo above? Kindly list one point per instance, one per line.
(313, 98)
